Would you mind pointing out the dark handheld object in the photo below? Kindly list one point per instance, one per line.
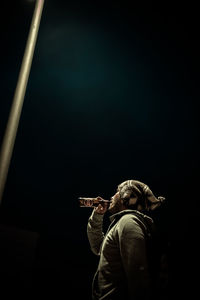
(93, 202)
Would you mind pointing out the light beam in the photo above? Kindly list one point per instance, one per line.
(15, 112)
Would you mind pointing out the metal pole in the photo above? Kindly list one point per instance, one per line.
(15, 112)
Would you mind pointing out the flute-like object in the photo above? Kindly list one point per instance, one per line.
(93, 202)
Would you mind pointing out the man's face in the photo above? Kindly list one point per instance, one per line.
(116, 204)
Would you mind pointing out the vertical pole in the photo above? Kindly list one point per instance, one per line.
(15, 112)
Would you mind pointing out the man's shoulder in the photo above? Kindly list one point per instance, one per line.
(133, 219)
(128, 220)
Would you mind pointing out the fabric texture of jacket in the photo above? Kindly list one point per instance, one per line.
(122, 271)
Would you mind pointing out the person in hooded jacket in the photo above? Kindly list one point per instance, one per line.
(123, 271)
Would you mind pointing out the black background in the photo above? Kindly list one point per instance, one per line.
(112, 95)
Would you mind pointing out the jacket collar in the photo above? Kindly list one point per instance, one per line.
(118, 215)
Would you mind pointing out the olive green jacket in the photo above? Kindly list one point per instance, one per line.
(122, 272)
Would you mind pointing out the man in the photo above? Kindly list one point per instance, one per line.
(123, 271)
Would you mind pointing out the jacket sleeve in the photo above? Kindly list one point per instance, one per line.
(133, 254)
(95, 232)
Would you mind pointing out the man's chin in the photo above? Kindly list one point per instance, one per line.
(112, 210)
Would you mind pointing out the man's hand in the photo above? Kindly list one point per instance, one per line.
(101, 208)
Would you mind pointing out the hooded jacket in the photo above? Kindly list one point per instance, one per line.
(122, 271)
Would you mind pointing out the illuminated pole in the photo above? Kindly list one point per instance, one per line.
(18, 99)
